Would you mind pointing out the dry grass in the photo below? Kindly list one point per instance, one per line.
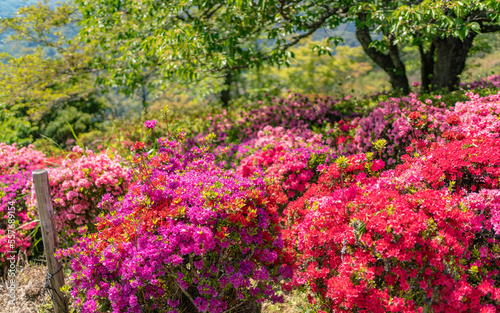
(29, 284)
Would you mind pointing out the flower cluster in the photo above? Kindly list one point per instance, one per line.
(188, 236)
(78, 185)
(151, 124)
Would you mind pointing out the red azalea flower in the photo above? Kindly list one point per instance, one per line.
(453, 120)
(139, 145)
(414, 116)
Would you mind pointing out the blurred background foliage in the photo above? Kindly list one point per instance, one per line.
(49, 91)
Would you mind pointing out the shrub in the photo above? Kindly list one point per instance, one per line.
(398, 121)
(78, 185)
(187, 236)
(466, 165)
(285, 159)
(13, 158)
(478, 117)
(417, 238)
(297, 112)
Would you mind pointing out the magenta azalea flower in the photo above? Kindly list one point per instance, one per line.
(151, 124)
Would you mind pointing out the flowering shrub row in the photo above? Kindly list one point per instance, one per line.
(421, 237)
(398, 241)
(180, 233)
(188, 236)
(492, 81)
(297, 113)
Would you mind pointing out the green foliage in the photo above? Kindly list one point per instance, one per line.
(423, 21)
(14, 129)
(348, 72)
(50, 84)
(148, 42)
(82, 116)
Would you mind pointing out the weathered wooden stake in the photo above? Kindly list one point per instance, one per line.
(49, 237)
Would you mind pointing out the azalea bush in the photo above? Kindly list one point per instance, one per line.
(16, 166)
(398, 121)
(296, 112)
(187, 236)
(14, 158)
(409, 124)
(477, 117)
(284, 159)
(417, 238)
(78, 185)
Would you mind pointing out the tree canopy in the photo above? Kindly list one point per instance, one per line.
(195, 40)
(443, 31)
(199, 39)
(141, 45)
(52, 82)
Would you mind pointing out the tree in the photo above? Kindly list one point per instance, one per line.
(444, 32)
(51, 82)
(34, 80)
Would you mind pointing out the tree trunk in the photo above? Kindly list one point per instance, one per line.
(397, 72)
(427, 66)
(225, 95)
(450, 54)
(391, 63)
(144, 100)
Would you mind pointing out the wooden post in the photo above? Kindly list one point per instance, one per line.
(49, 237)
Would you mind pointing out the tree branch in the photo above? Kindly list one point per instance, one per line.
(312, 27)
(490, 28)
(365, 39)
